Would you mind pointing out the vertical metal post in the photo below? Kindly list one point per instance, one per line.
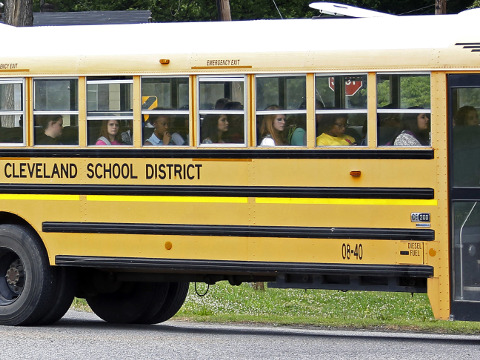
(461, 249)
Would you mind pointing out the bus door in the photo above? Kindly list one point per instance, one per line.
(464, 158)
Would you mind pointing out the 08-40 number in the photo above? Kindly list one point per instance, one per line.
(349, 251)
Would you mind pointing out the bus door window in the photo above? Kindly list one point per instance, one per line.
(465, 137)
(222, 111)
(55, 109)
(465, 157)
(110, 111)
(165, 111)
(403, 110)
(466, 251)
(281, 110)
(341, 110)
(12, 111)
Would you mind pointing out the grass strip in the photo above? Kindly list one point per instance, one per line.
(224, 303)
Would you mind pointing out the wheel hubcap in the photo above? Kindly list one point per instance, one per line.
(12, 277)
(15, 276)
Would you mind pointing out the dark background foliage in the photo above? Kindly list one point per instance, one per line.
(206, 10)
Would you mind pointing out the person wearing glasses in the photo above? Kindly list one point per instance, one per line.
(334, 126)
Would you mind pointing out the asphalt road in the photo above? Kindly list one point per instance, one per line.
(84, 336)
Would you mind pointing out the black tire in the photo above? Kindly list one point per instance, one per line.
(26, 278)
(177, 293)
(129, 302)
(65, 287)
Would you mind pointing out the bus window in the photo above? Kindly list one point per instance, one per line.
(12, 111)
(109, 111)
(403, 109)
(281, 110)
(465, 135)
(341, 110)
(165, 110)
(55, 111)
(221, 110)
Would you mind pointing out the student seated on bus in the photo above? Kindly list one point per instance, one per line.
(334, 126)
(318, 117)
(295, 130)
(466, 147)
(415, 131)
(466, 116)
(220, 103)
(180, 130)
(272, 129)
(235, 122)
(296, 134)
(52, 126)
(389, 126)
(110, 133)
(160, 135)
(296, 125)
(214, 129)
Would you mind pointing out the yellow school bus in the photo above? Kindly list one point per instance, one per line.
(317, 153)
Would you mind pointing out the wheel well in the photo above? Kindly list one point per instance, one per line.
(9, 218)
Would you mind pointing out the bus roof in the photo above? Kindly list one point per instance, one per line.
(379, 44)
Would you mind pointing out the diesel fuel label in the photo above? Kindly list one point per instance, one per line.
(154, 172)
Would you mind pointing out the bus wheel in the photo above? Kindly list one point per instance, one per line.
(129, 302)
(26, 278)
(65, 287)
(177, 293)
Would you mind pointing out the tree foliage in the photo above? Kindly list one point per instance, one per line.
(205, 10)
(475, 4)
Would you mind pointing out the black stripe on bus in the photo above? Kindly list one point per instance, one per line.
(240, 231)
(221, 191)
(244, 267)
(162, 153)
(465, 194)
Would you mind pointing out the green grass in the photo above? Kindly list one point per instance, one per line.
(322, 308)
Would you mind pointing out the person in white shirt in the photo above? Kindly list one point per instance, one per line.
(272, 129)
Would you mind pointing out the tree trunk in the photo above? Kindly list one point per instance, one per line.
(7, 102)
(18, 12)
(258, 286)
(223, 8)
(440, 7)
